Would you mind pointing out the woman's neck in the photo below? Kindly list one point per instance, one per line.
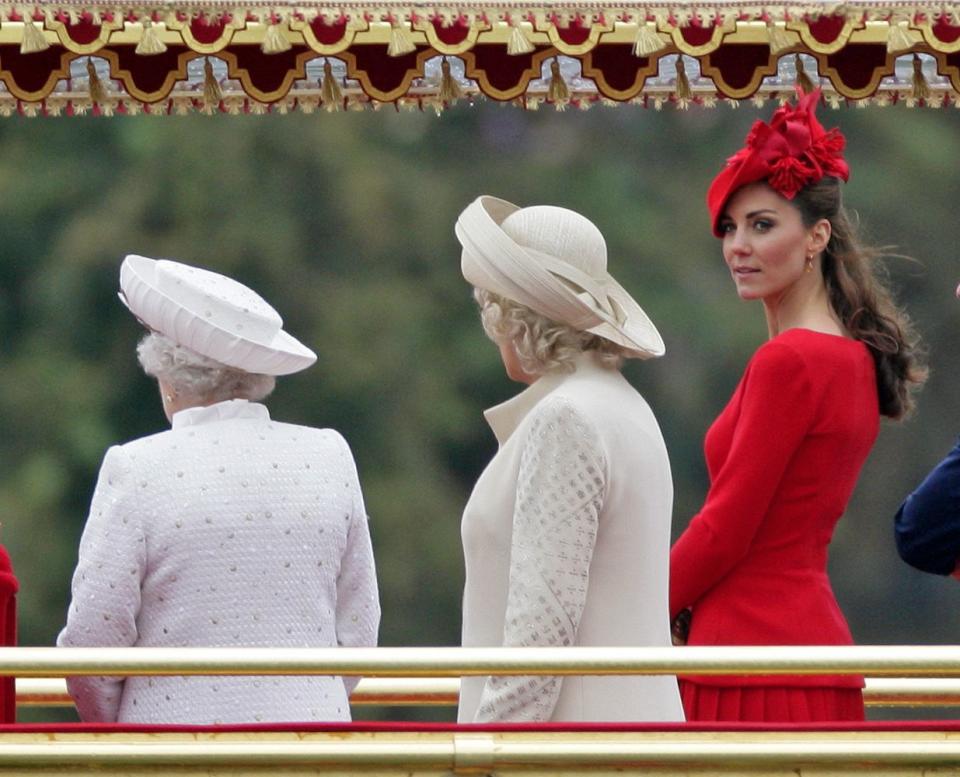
(805, 305)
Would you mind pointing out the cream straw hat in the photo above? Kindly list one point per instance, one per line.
(210, 314)
(554, 261)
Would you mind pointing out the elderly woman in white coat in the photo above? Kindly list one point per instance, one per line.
(566, 535)
(229, 529)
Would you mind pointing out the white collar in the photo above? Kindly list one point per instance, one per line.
(221, 411)
(506, 417)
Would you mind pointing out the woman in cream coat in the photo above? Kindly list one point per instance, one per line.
(229, 529)
(567, 532)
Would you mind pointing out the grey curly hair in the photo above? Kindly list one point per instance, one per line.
(542, 345)
(199, 377)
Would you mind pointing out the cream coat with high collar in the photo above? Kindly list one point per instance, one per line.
(566, 540)
(230, 529)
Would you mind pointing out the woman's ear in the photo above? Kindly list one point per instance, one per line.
(819, 236)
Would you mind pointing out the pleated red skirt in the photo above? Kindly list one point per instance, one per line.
(770, 704)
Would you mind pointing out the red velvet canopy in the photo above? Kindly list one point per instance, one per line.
(63, 58)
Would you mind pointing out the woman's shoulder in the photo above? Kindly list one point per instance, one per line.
(593, 403)
(317, 435)
(319, 444)
(782, 362)
(565, 412)
(186, 440)
(805, 362)
(562, 428)
(129, 452)
(559, 404)
(803, 347)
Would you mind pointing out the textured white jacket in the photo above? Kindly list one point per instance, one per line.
(230, 529)
(566, 538)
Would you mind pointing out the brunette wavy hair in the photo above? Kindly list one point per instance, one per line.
(860, 296)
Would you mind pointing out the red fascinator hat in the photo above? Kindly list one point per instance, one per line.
(792, 151)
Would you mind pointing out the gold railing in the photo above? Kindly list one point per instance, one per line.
(873, 661)
(445, 692)
(928, 674)
(899, 675)
(371, 691)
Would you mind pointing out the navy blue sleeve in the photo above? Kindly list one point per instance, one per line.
(927, 526)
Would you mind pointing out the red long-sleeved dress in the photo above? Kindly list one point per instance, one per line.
(783, 458)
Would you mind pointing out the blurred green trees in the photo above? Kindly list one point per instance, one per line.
(345, 222)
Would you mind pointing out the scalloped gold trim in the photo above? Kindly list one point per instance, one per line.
(226, 38)
(325, 49)
(296, 73)
(759, 73)
(833, 75)
(530, 73)
(864, 20)
(553, 34)
(130, 86)
(500, 31)
(802, 28)
(363, 78)
(944, 68)
(718, 33)
(473, 34)
(925, 28)
(639, 82)
(66, 57)
(107, 29)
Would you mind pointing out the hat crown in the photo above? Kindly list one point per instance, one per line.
(561, 233)
(221, 301)
(791, 152)
(553, 261)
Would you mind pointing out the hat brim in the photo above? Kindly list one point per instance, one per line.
(283, 355)
(727, 182)
(641, 339)
(632, 330)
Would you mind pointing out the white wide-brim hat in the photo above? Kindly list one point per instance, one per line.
(554, 261)
(210, 314)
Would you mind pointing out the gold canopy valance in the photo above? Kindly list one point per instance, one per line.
(64, 58)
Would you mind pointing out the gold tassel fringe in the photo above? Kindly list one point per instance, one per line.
(647, 41)
(779, 39)
(683, 83)
(150, 42)
(212, 94)
(330, 90)
(401, 41)
(450, 90)
(898, 39)
(236, 103)
(33, 39)
(274, 41)
(557, 92)
(97, 93)
(803, 80)
(921, 89)
(519, 43)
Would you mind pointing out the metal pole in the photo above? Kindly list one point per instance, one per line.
(875, 661)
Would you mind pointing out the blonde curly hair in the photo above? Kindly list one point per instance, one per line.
(542, 345)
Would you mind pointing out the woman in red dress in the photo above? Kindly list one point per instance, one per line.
(785, 453)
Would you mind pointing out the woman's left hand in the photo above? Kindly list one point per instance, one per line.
(680, 628)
